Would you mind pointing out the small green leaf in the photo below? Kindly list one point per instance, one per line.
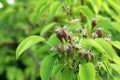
(47, 67)
(56, 69)
(27, 43)
(53, 40)
(116, 44)
(47, 27)
(87, 71)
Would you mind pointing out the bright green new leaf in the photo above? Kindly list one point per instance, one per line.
(47, 67)
(47, 27)
(110, 12)
(116, 44)
(109, 50)
(54, 7)
(116, 26)
(87, 71)
(27, 43)
(114, 5)
(39, 9)
(107, 47)
(94, 5)
(116, 68)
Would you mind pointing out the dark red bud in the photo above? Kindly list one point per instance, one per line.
(88, 57)
(65, 35)
(94, 22)
(70, 50)
(59, 35)
(99, 32)
(60, 49)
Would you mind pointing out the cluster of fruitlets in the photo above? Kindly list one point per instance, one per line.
(63, 36)
(83, 55)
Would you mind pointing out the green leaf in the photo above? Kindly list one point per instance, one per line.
(47, 67)
(42, 50)
(109, 50)
(110, 12)
(93, 5)
(115, 6)
(107, 47)
(92, 43)
(116, 44)
(54, 7)
(87, 71)
(98, 77)
(56, 69)
(104, 47)
(68, 74)
(116, 26)
(87, 12)
(47, 27)
(116, 68)
(53, 40)
(105, 23)
(39, 9)
(27, 43)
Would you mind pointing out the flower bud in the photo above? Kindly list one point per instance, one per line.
(88, 57)
(60, 49)
(65, 35)
(99, 32)
(59, 35)
(70, 50)
(94, 22)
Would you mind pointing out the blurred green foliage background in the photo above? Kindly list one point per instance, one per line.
(22, 18)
